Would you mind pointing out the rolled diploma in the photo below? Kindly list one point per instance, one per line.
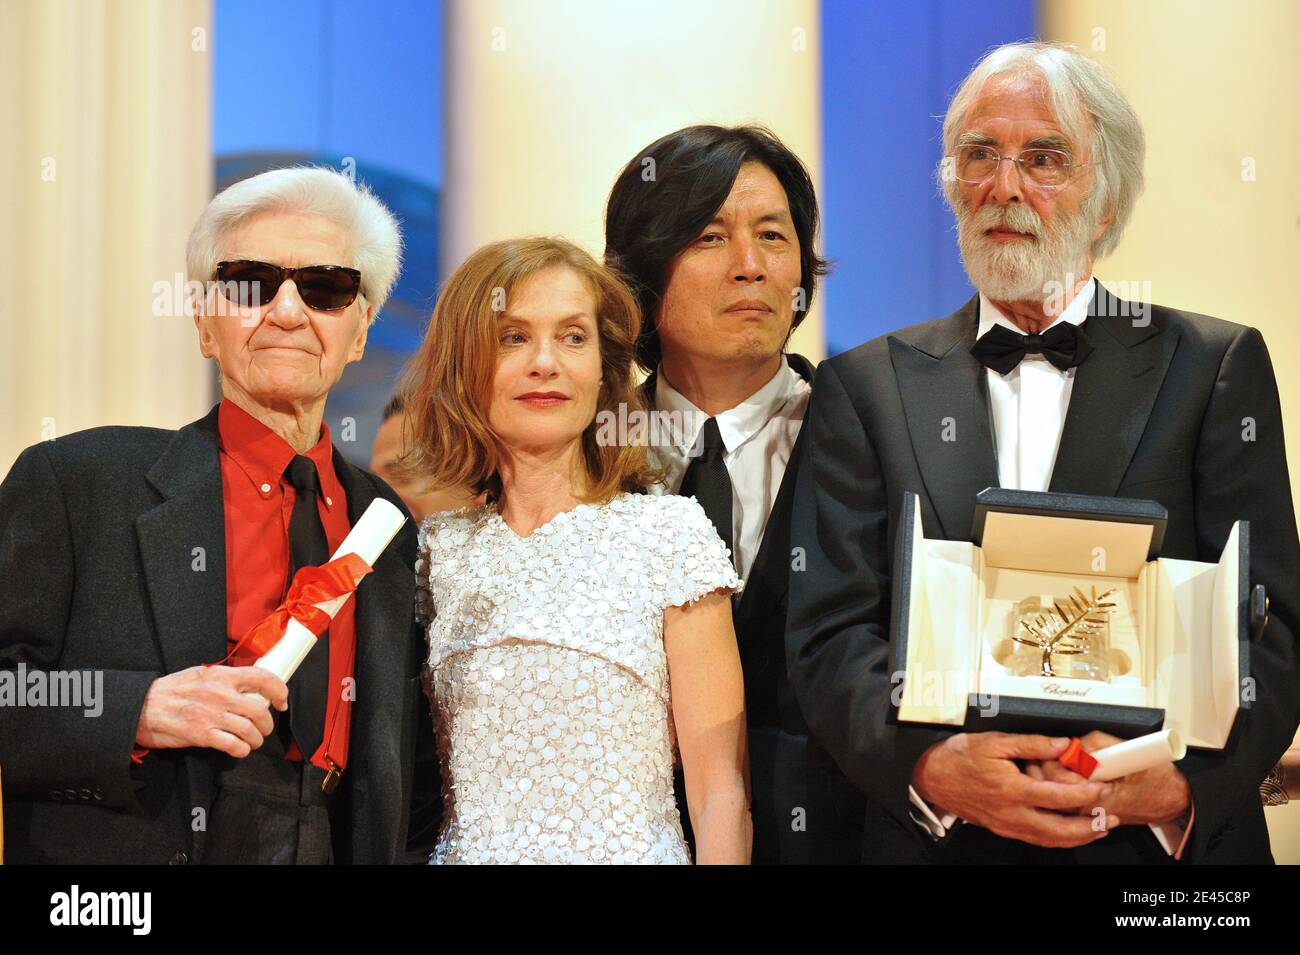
(1135, 755)
(368, 538)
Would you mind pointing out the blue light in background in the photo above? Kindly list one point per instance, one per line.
(320, 80)
(888, 70)
(355, 86)
(339, 77)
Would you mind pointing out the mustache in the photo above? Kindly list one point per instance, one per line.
(1017, 218)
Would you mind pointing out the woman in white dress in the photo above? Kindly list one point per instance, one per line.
(579, 632)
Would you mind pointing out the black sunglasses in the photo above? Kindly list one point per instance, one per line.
(324, 287)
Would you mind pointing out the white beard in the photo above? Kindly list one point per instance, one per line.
(1037, 270)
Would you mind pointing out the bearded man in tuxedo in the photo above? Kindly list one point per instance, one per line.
(1042, 381)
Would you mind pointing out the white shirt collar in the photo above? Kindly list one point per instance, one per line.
(1074, 313)
(736, 425)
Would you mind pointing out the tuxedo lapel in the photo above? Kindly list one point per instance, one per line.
(801, 366)
(769, 578)
(945, 400)
(381, 598)
(384, 611)
(183, 548)
(360, 495)
(1113, 393)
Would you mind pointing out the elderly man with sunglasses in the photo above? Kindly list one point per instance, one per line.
(1043, 381)
(145, 555)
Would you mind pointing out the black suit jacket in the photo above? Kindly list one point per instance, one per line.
(1160, 410)
(112, 549)
(804, 809)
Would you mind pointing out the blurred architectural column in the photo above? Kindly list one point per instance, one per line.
(545, 103)
(104, 165)
(1218, 229)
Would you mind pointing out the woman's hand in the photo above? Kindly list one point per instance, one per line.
(708, 700)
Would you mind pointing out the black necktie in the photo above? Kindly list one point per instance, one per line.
(710, 484)
(1001, 349)
(308, 547)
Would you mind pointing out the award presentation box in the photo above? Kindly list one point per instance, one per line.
(1173, 647)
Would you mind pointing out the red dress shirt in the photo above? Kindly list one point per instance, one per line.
(258, 502)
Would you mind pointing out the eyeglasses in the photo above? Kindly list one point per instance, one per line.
(977, 164)
(324, 287)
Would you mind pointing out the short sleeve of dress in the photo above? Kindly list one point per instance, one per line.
(424, 608)
(700, 563)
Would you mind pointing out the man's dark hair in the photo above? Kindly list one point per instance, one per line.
(395, 406)
(657, 209)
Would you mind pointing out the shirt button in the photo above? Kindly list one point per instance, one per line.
(329, 502)
(266, 489)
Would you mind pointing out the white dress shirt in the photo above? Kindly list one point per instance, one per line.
(759, 434)
(1028, 405)
(1028, 408)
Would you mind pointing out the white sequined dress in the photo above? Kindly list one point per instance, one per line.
(550, 680)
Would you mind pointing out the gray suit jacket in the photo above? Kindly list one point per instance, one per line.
(112, 549)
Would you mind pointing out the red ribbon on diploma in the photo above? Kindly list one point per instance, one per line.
(1076, 759)
(311, 586)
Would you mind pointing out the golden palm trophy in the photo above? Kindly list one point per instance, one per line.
(1067, 639)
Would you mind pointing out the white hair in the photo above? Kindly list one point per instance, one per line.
(1077, 89)
(313, 190)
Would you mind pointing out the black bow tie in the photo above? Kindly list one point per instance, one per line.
(1064, 345)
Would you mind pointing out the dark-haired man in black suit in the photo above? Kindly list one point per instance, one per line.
(1043, 381)
(716, 229)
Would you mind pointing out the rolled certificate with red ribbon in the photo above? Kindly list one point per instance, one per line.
(1130, 756)
(283, 639)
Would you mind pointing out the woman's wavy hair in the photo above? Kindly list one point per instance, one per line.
(446, 388)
